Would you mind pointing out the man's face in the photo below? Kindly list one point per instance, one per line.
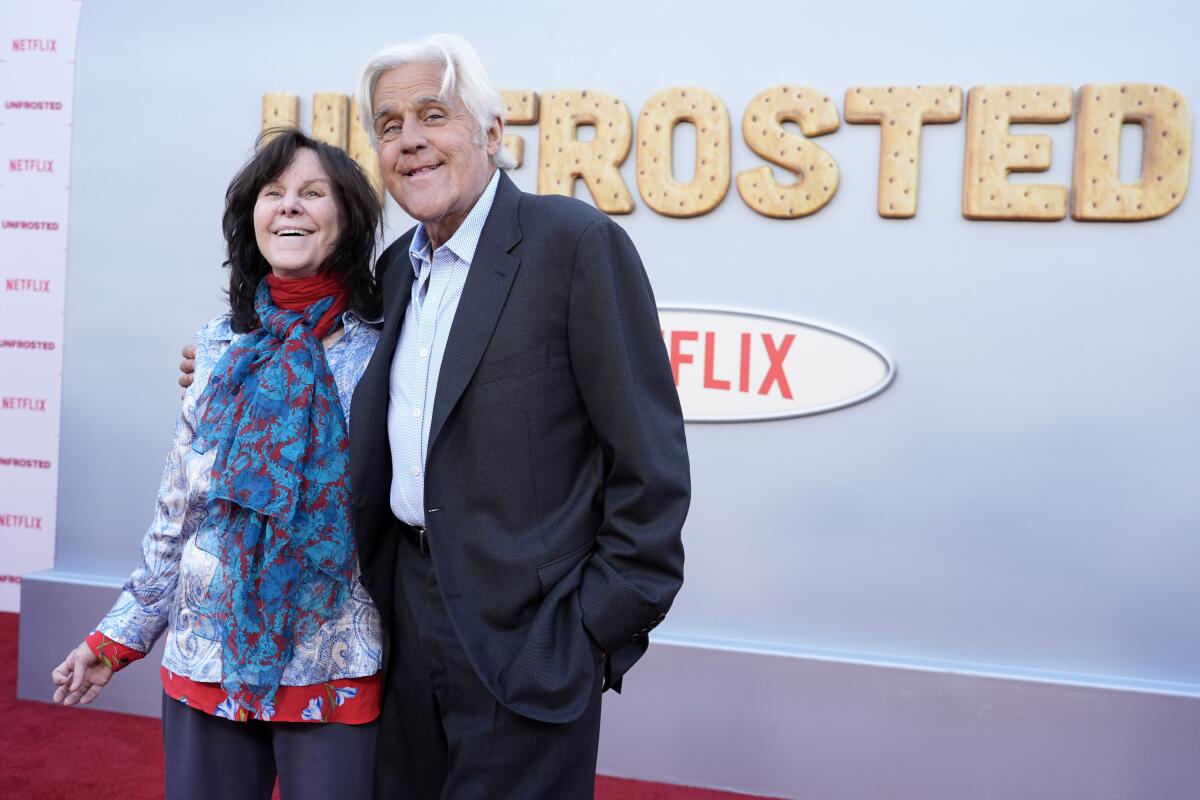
(433, 160)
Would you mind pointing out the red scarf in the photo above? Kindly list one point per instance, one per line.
(297, 294)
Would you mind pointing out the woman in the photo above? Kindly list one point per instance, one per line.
(273, 651)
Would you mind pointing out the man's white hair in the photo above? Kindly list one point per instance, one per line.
(463, 77)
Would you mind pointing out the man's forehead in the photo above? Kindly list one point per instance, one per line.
(410, 84)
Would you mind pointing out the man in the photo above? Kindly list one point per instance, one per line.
(534, 476)
(518, 456)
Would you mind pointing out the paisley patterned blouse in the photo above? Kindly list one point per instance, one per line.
(165, 591)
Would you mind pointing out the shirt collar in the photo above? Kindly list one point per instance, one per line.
(465, 239)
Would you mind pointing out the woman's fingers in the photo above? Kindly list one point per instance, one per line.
(80, 672)
(80, 677)
(62, 673)
(90, 694)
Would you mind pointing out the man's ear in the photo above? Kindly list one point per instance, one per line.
(495, 136)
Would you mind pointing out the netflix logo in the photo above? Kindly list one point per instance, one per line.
(20, 521)
(732, 366)
(776, 353)
(36, 404)
(35, 45)
(34, 285)
(31, 165)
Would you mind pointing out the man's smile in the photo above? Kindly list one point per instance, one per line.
(425, 170)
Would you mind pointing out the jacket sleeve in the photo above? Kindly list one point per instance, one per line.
(620, 367)
(141, 612)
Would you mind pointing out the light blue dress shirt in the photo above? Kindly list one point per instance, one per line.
(438, 281)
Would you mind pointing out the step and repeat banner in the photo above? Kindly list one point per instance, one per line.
(37, 75)
(926, 281)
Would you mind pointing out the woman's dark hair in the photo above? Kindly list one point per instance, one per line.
(360, 217)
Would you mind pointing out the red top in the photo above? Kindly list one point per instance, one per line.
(351, 701)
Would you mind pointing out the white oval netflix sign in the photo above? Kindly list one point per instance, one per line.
(733, 366)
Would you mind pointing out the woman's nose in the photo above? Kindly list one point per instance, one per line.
(290, 206)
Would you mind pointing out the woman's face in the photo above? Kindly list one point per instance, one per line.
(296, 218)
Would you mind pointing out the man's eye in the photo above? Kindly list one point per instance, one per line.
(390, 130)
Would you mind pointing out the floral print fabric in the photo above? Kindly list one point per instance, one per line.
(350, 701)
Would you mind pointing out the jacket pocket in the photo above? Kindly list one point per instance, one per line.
(554, 571)
(491, 371)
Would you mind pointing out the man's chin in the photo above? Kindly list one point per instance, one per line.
(422, 209)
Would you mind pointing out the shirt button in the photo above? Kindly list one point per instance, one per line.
(416, 471)
(424, 352)
(416, 412)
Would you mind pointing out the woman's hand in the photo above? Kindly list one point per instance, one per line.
(80, 677)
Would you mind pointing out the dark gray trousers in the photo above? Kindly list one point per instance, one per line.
(211, 757)
(444, 736)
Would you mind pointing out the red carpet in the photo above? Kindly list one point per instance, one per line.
(48, 752)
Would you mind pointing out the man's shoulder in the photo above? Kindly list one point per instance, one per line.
(555, 215)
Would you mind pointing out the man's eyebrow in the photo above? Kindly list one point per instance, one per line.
(427, 100)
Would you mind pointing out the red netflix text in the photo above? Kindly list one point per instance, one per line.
(35, 45)
(20, 521)
(23, 404)
(31, 165)
(681, 348)
(41, 285)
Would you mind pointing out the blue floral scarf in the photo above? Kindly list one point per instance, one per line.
(279, 500)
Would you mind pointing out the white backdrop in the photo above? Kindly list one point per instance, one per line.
(37, 73)
(1022, 499)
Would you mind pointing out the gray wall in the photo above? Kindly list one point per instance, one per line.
(1021, 502)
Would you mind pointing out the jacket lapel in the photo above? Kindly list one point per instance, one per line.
(488, 282)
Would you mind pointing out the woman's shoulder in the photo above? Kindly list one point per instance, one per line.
(212, 340)
(217, 332)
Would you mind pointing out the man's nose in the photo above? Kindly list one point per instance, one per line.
(412, 138)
